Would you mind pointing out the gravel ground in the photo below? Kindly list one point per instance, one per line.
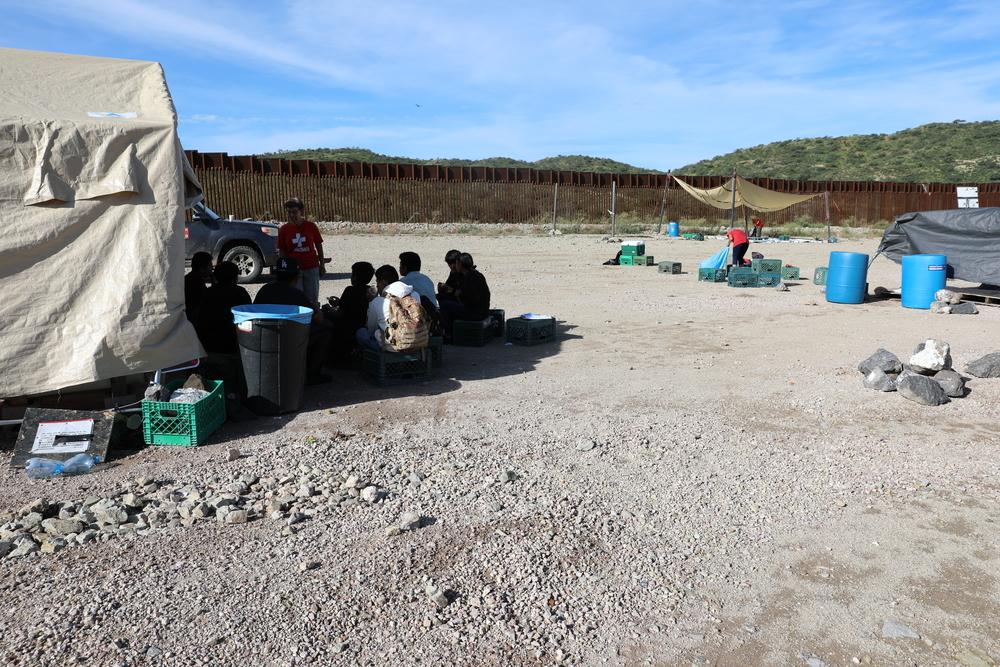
(691, 474)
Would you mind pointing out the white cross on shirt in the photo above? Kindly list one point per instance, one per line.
(298, 240)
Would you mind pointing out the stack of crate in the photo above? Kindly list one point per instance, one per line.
(768, 271)
(742, 276)
(634, 254)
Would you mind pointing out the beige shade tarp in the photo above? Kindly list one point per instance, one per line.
(93, 186)
(747, 194)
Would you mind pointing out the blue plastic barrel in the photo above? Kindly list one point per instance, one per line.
(847, 277)
(674, 229)
(923, 275)
(269, 311)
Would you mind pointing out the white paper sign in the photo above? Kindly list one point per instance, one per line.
(46, 441)
(968, 197)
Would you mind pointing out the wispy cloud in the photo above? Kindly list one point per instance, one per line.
(656, 83)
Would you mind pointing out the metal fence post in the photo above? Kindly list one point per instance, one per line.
(555, 203)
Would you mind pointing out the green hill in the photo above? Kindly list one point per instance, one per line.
(938, 152)
(559, 162)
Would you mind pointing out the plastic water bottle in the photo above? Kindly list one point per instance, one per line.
(45, 468)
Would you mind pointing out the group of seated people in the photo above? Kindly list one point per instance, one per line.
(354, 321)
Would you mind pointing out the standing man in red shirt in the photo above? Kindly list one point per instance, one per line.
(738, 239)
(299, 239)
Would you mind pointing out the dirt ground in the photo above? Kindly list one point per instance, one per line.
(700, 479)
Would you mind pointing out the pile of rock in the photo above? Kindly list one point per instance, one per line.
(928, 378)
(289, 498)
(947, 302)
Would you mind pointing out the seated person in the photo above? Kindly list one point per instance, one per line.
(447, 289)
(372, 335)
(214, 319)
(349, 312)
(214, 325)
(409, 271)
(284, 292)
(473, 296)
(195, 283)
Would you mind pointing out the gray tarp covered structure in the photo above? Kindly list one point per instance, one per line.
(93, 186)
(969, 237)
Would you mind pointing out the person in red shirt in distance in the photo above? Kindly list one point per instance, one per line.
(738, 239)
(299, 239)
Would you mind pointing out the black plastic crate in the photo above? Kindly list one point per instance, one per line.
(472, 333)
(384, 367)
(669, 267)
(530, 332)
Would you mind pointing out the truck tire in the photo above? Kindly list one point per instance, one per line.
(248, 262)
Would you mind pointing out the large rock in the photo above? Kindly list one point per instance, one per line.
(879, 381)
(947, 296)
(952, 383)
(921, 389)
(111, 516)
(931, 356)
(985, 367)
(60, 527)
(964, 308)
(884, 360)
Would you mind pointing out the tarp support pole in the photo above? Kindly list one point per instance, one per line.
(663, 202)
(732, 208)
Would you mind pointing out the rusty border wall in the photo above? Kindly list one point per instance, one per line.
(386, 193)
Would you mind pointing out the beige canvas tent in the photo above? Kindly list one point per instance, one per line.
(93, 186)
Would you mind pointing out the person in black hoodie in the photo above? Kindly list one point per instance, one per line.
(473, 297)
(446, 290)
(350, 312)
(195, 284)
(214, 318)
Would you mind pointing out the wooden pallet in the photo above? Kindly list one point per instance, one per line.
(983, 297)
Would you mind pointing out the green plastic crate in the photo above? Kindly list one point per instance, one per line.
(633, 249)
(790, 273)
(641, 260)
(742, 278)
(768, 279)
(784, 237)
(627, 260)
(669, 267)
(712, 275)
(184, 424)
(766, 265)
(693, 236)
(472, 333)
(819, 276)
(530, 332)
(384, 367)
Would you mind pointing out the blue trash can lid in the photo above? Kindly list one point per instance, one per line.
(271, 311)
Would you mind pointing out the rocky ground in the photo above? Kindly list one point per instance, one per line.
(691, 474)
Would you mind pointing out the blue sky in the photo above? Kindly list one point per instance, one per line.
(656, 84)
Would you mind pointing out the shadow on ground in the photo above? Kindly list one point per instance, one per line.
(460, 364)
